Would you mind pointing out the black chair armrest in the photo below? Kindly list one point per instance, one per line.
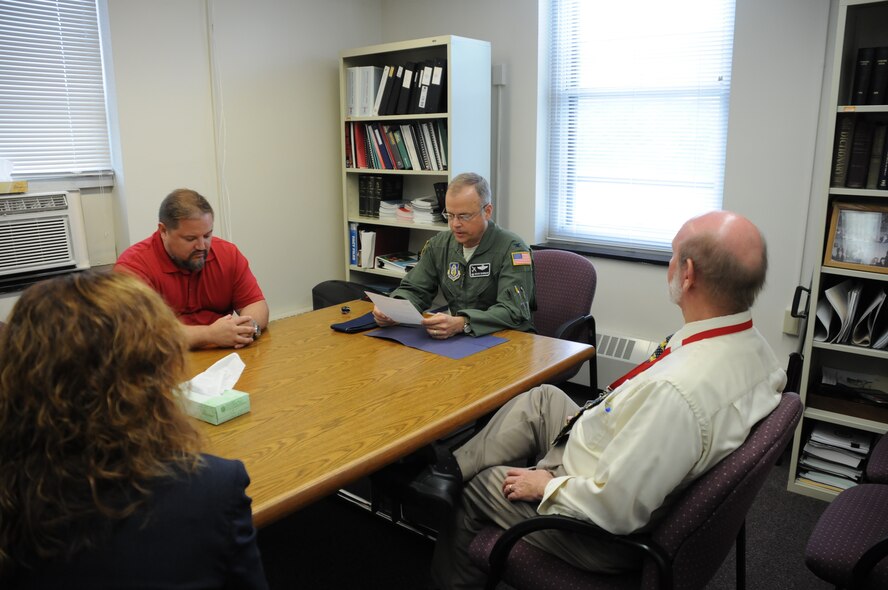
(642, 543)
(564, 332)
(870, 558)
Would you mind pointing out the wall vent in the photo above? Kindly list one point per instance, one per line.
(617, 355)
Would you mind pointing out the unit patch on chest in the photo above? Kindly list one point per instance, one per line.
(453, 272)
(479, 270)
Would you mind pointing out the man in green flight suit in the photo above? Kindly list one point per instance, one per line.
(483, 271)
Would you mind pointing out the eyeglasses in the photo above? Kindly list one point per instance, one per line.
(463, 217)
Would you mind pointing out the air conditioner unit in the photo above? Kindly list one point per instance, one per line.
(41, 232)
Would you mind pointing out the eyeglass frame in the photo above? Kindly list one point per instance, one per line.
(463, 217)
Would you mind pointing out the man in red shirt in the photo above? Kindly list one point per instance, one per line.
(205, 280)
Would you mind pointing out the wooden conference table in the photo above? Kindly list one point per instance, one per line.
(328, 408)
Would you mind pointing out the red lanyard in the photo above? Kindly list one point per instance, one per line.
(713, 333)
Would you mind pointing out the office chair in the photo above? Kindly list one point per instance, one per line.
(564, 287)
(849, 543)
(684, 549)
(334, 292)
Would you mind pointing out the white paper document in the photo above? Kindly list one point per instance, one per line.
(400, 310)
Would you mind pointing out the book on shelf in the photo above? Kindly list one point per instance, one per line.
(878, 147)
(399, 262)
(385, 90)
(403, 105)
(391, 102)
(369, 78)
(407, 138)
(434, 102)
(381, 150)
(402, 148)
(392, 148)
(441, 126)
(375, 188)
(416, 88)
(359, 138)
(368, 248)
(842, 437)
(844, 133)
(863, 71)
(852, 312)
(859, 160)
(864, 387)
(879, 78)
(825, 481)
(882, 178)
(824, 466)
(376, 240)
(353, 243)
(832, 454)
(351, 85)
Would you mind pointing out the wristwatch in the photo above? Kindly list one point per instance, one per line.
(257, 331)
(467, 328)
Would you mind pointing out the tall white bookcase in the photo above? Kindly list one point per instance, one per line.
(466, 117)
(860, 24)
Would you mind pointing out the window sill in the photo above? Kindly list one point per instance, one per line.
(598, 251)
(39, 184)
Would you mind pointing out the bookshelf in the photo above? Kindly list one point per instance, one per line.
(463, 118)
(855, 117)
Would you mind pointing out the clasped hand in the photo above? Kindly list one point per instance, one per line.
(233, 330)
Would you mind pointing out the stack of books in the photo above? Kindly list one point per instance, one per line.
(405, 213)
(397, 262)
(425, 210)
(389, 209)
(833, 456)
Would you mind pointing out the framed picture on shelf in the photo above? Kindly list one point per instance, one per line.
(858, 237)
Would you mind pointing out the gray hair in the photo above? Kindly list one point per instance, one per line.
(478, 182)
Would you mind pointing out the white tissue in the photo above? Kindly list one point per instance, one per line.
(223, 375)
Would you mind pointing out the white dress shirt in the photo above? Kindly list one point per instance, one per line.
(666, 426)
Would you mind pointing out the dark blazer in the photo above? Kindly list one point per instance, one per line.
(198, 534)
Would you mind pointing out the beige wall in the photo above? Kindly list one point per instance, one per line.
(248, 115)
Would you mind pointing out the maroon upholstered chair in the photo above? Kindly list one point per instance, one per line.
(683, 551)
(877, 463)
(849, 543)
(564, 287)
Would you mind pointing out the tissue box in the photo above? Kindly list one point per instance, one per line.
(221, 408)
(13, 186)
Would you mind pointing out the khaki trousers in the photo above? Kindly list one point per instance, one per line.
(523, 428)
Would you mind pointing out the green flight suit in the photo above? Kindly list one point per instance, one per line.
(494, 289)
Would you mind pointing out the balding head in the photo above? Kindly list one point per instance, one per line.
(729, 258)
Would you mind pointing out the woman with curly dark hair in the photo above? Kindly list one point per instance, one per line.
(102, 483)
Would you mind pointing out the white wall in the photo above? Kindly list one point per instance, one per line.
(264, 149)
(247, 116)
(779, 49)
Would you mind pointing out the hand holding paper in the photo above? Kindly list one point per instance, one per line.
(400, 310)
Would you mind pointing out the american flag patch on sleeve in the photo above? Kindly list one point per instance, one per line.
(521, 259)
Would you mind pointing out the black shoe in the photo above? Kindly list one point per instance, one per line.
(413, 481)
(437, 486)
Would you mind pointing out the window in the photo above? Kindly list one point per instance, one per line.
(638, 119)
(52, 96)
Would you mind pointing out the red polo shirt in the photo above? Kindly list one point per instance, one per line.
(198, 298)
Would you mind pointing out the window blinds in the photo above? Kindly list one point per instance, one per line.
(638, 116)
(52, 97)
